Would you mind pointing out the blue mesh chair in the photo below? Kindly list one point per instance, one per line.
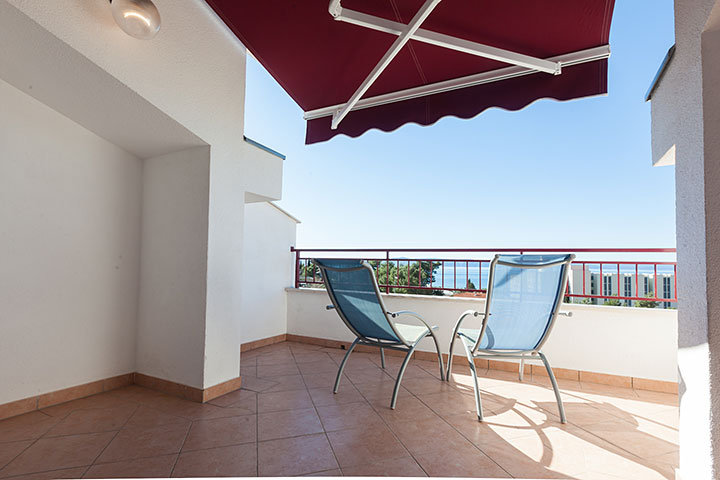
(523, 297)
(354, 292)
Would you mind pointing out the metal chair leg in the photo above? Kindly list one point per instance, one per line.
(400, 375)
(555, 387)
(382, 357)
(342, 365)
(521, 372)
(450, 359)
(478, 400)
(440, 361)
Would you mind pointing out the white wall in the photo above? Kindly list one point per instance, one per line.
(171, 314)
(268, 268)
(193, 72)
(68, 291)
(677, 123)
(626, 341)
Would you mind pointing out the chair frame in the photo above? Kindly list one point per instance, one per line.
(522, 355)
(403, 345)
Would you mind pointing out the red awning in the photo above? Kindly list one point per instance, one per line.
(454, 57)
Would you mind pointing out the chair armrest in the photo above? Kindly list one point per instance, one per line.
(465, 314)
(411, 314)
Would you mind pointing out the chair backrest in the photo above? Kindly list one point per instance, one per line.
(524, 295)
(353, 290)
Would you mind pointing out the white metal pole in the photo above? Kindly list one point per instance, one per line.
(399, 43)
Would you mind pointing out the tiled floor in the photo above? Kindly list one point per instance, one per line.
(287, 422)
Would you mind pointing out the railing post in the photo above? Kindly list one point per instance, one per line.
(387, 271)
(297, 267)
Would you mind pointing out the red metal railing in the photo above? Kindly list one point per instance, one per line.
(588, 279)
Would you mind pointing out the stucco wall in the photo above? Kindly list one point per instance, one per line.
(68, 293)
(173, 288)
(268, 269)
(625, 341)
(677, 120)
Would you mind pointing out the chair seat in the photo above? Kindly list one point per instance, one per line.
(413, 333)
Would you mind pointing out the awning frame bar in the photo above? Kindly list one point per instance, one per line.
(412, 31)
(449, 42)
(567, 60)
(398, 44)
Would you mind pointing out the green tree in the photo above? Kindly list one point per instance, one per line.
(612, 302)
(587, 301)
(470, 285)
(416, 274)
(646, 303)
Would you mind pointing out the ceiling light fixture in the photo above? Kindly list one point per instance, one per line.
(137, 18)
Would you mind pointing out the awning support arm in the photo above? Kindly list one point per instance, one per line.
(394, 49)
(567, 60)
(446, 41)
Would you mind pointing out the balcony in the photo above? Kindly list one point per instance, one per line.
(620, 394)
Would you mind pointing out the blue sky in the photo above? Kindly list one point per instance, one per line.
(556, 174)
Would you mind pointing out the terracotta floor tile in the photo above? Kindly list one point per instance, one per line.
(286, 383)
(279, 401)
(153, 467)
(295, 456)
(357, 364)
(363, 446)
(450, 403)
(93, 420)
(321, 366)
(368, 376)
(137, 442)
(459, 462)
(9, 451)
(134, 393)
(58, 453)
(428, 434)
(76, 472)
(346, 394)
(413, 371)
(407, 409)
(193, 410)
(630, 438)
(426, 384)
(257, 384)
(381, 390)
(234, 461)
(396, 467)
(26, 427)
(312, 356)
(102, 400)
(150, 417)
(526, 457)
(291, 423)
(324, 380)
(245, 399)
(327, 473)
(350, 415)
(249, 370)
(279, 370)
(221, 432)
(276, 358)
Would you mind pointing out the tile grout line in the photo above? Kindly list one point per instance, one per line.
(187, 434)
(111, 440)
(462, 435)
(392, 431)
(327, 438)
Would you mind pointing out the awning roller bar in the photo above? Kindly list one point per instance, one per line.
(567, 60)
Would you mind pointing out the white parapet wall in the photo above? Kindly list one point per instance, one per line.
(626, 341)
